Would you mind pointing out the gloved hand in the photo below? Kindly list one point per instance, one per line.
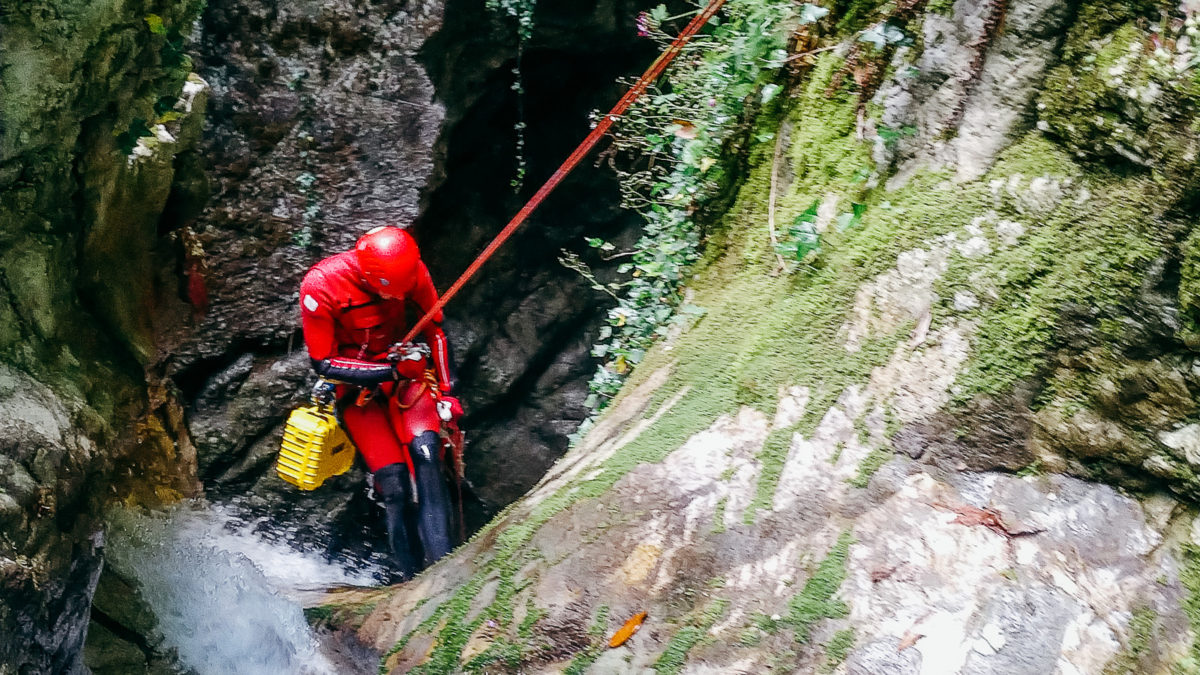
(449, 408)
(410, 369)
(324, 392)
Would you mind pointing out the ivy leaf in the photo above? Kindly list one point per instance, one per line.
(882, 34)
(810, 214)
(811, 13)
(659, 14)
(769, 92)
(807, 240)
(595, 242)
(155, 23)
(846, 221)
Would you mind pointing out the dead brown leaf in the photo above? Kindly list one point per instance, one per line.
(908, 641)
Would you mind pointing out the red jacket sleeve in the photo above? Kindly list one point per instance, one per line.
(317, 323)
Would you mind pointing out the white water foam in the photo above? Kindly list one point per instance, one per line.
(226, 600)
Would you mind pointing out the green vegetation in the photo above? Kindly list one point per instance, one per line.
(838, 648)
(815, 601)
(867, 468)
(340, 614)
(673, 657)
(1137, 645)
(1189, 575)
(718, 525)
(772, 458)
(675, 139)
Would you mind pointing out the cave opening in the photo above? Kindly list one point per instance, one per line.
(522, 329)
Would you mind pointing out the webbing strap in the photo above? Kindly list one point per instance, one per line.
(656, 69)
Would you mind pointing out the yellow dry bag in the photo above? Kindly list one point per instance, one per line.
(314, 448)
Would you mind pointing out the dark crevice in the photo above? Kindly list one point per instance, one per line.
(521, 389)
(192, 378)
(227, 461)
(121, 631)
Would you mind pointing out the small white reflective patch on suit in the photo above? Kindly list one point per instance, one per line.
(310, 303)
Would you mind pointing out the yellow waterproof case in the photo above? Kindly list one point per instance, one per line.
(314, 448)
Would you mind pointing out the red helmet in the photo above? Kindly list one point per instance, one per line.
(389, 260)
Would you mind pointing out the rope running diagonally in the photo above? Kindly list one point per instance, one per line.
(652, 73)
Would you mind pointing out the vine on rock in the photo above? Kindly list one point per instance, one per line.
(522, 12)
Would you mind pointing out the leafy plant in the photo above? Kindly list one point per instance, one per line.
(882, 34)
(670, 148)
(802, 237)
(522, 12)
(891, 136)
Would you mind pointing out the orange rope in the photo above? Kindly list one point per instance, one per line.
(656, 69)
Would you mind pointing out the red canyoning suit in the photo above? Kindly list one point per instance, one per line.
(348, 329)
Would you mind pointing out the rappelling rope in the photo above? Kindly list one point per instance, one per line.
(656, 69)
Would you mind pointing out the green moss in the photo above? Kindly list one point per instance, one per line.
(1100, 112)
(1189, 283)
(1189, 575)
(1096, 19)
(672, 659)
(838, 648)
(500, 651)
(945, 7)
(854, 15)
(533, 614)
(867, 468)
(319, 614)
(1137, 644)
(718, 525)
(772, 458)
(1085, 252)
(815, 602)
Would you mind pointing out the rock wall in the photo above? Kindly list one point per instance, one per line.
(885, 465)
(95, 110)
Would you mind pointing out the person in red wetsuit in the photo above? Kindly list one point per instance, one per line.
(352, 307)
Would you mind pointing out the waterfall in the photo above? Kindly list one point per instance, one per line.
(227, 600)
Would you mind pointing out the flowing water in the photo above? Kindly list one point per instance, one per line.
(227, 600)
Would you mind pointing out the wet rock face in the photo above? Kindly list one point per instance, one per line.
(974, 84)
(47, 571)
(330, 119)
(95, 106)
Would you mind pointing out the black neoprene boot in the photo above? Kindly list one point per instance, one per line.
(394, 489)
(433, 497)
